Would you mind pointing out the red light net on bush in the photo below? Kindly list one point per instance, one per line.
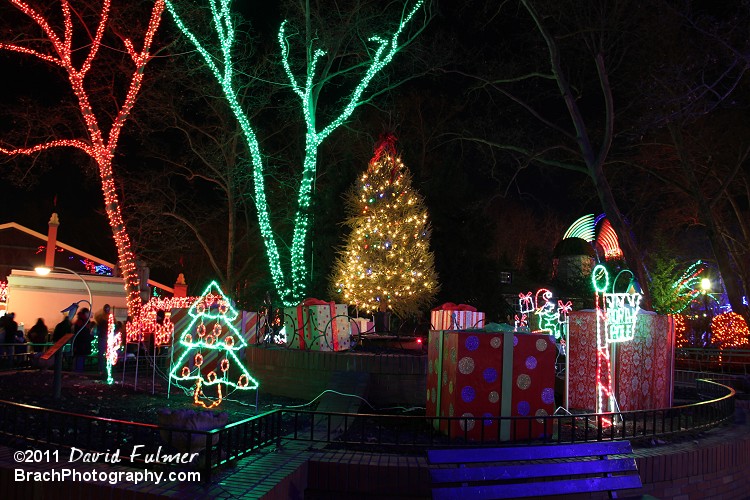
(729, 331)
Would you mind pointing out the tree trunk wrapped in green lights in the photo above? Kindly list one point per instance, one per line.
(320, 69)
(387, 259)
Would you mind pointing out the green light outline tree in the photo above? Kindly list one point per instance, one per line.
(215, 307)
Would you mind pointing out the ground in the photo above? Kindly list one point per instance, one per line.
(85, 394)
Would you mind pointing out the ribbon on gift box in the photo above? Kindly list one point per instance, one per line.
(334, 326)
(450, 316)
(317, 302)
(300, 317)
(300, 326)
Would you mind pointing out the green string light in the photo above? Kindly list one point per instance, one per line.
(600, 279)
(685, 289)
(583, 228)
(219, 338)
(221, 67)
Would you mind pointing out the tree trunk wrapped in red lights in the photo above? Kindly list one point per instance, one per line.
(66, 40)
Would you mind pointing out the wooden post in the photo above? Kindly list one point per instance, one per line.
(56, 350)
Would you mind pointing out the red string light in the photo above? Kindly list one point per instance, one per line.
(60, 53)
(148, 324)
(680, 331)
(729, 331)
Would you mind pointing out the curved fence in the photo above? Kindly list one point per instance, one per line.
(397, 431)
(725, 361)
(24, 425)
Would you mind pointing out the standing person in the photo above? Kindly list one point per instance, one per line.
(10, 327)
(38, 335)
(82, 339)
(62, 328)
(102, 322)
(3, 350)
(21, 349)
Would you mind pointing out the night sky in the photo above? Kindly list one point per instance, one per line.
(477, 195)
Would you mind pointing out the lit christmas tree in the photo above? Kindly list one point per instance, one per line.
(210, 343)
(387, 259)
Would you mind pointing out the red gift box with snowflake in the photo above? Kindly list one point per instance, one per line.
(644, 366)
(476, 374)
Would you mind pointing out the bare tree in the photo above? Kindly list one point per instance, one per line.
(690, 102)
(194, 198)
(578, 135)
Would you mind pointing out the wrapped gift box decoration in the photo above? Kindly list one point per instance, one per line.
(318, 326)
(361, 325)
(249, 326)
(450, 316)
(478, 374)
(644, 365)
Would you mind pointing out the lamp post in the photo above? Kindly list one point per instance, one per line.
(44, 271)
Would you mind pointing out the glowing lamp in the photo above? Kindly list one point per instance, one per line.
(70, 310)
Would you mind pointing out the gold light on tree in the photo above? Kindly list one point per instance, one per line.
(387, 259)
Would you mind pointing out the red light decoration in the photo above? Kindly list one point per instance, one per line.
(198, 396)
(522, 321)
(58, 49)
(43, 248)
(607, 239)
(114, 342)
(147, 323)
(729, 331)
(680, 331)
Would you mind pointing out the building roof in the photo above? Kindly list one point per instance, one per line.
(14, 251)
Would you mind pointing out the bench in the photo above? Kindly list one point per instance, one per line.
(533, 471)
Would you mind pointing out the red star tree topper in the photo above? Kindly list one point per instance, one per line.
(68, 43)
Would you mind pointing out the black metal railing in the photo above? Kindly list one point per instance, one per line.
(24, 425)
(369, 431)
(726, 361)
